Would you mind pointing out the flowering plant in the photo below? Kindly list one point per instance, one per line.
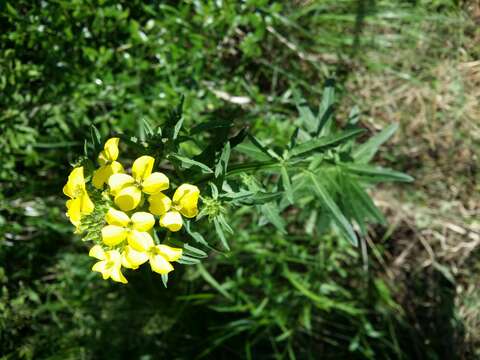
(136, 218)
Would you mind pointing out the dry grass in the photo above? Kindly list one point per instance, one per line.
(435, 224)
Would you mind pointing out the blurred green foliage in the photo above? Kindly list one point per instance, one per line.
(67, 64)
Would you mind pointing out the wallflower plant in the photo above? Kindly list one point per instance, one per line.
(147, 212)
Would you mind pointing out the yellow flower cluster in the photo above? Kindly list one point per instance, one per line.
(126, 238)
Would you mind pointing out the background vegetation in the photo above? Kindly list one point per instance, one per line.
(67, 64)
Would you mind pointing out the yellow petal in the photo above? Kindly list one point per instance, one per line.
(116, 167)
(116, 275)
(172, 220)
(142, 167)
(118, 181)
(186, 196)
(86, 204)
(102, 268)
(127, 264)
(113, 235)
(140, 241)
(143, 221)
(169, 253)
(111, 149)
(155, 183)
(116, 217)
(128, 198)
(159, 204)
(113, 257)
(75, 181)
(102, 175)
(74, 211)
(160, 265)
(97, 252)
(134, 257)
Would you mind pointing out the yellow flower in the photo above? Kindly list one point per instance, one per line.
(184, 202)
(159, 257)
(79, 203)
(108, 164)
(127, 189)
(109, 265)
(134, 229)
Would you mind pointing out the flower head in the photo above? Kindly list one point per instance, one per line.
(79, 203)
(109, 265)
(184, 202)
(127, 189)
(159, 256)
(108, 164)
(134, 229)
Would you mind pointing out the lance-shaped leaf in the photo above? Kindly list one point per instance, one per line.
(145, 129)
(287, 184)
(96, 139)
(326, 109)
(269, 152)
(307, 118)
(376, 174)
(190, 162)
(365, 152)
(252, 151)
(177, 128)
(195, 235)
(324, 142)
(220, 233)
(214, 283)
(193, 251)
(272, 214)
(222, 164)
(366, 202)
(336, 214)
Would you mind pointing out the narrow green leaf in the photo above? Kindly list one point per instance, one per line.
(214, 190)
(367, 202)
(214, 283)
(222, 164)
(177, 128)
(192, 162)
(332, 207)
(293, 138)
(148, 129)
(287, 184)
(272, 214)
(195, 235)
(252, 151)
(224, 224)
(96, 138)
(320, 301)
(365, 152)
(211, 125)
(188, 260)
(194, 252)
(326, 109)
(269, 152)
(307, 118)
(376, 174)
(324, 142)
(240, 195)
(220, 233)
